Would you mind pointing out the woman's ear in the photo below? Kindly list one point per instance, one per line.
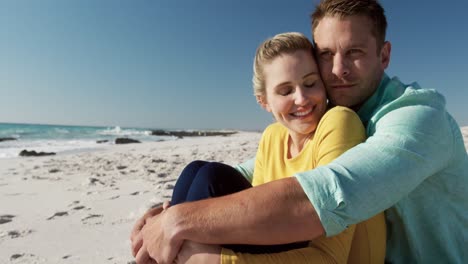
(261, 100)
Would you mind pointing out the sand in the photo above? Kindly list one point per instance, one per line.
(80, 208)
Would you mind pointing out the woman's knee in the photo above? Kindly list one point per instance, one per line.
(196, 164)
(214, 171)
(221, 179)
(191, 170)
(185, 181)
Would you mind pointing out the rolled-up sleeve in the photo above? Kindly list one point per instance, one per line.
(246, 169)
(410, 144)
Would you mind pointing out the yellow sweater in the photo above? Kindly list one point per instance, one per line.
(339, 130)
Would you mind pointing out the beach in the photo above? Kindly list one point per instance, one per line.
(80, 207)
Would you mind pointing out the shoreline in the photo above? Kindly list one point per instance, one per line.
(12, 147)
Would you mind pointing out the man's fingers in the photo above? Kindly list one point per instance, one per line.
(136, 244)
(136, 229)
(154, 211)
(142, 257)
(166, 205)
(141, 222)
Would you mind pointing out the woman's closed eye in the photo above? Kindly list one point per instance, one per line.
(284, 91)
(309, 84)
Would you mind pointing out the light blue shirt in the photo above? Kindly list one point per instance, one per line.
(413, 165)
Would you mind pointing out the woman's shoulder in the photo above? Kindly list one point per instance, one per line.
(274, 131)
(275, 128)
(340, 117)
(340, 113)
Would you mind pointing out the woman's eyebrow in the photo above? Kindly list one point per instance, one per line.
(309, 74)
(283, 83)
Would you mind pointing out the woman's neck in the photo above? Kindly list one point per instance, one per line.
(296, 143)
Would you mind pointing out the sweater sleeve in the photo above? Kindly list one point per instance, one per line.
(246, 169)
(403, 151)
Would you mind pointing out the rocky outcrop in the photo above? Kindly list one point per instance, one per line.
(32, 153)
(102, 141)
(181, 134)
(126, 141)
(7, 139)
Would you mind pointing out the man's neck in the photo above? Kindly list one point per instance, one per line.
(377, 84)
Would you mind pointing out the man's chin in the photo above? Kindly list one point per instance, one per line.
(339, 102)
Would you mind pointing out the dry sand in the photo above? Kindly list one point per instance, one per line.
(80, 208)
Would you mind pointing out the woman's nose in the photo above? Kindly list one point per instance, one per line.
(301, 96)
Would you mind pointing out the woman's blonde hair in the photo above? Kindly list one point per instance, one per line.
(284, 43)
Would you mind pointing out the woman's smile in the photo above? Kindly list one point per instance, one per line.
(303, 113)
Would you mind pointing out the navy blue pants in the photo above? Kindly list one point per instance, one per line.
(201, 180)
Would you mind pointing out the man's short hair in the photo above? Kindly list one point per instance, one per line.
(343, 8)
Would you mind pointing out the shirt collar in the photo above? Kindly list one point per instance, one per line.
(368, 108)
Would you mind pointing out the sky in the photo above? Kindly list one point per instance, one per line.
(183, 64)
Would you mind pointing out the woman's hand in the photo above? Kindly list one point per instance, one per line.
(193, 253)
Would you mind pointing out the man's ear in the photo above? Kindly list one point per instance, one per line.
(385, 54)
(261, 100)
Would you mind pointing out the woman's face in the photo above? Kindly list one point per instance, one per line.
(295, 93)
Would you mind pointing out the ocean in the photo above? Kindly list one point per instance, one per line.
(65, 139)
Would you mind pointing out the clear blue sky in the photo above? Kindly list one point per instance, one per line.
(187, 64)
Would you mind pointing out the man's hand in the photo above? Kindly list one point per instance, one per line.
(159, 240)
(136, 237)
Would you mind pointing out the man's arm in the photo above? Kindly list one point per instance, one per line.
(273, 213)
(364, 181)
(339, 130)
(410, 144)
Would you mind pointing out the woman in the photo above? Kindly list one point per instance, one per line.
(306, 135)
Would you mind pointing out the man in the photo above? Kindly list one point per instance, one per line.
(414, 164)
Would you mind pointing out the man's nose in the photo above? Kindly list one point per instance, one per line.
(340, 66)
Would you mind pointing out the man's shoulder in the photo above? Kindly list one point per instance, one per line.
(392, 96)
(399, 98)
(407, 107)
(399, 94)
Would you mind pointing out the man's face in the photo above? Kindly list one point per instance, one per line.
(349, 62)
